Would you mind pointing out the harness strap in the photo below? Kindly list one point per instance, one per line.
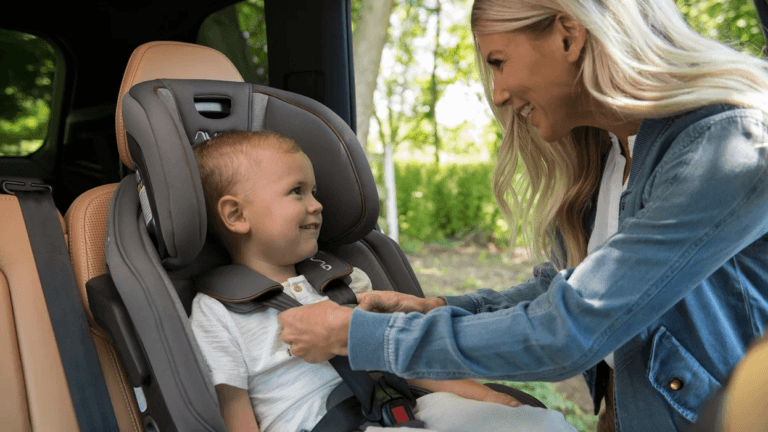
(82, 369)
(386, 401)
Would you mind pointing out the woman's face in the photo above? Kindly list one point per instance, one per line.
(537, 74)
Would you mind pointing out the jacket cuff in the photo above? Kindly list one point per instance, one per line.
(464, 301)
(367, 340)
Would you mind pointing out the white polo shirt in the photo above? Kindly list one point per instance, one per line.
(245, 351)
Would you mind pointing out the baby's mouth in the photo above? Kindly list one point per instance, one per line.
(312, 226)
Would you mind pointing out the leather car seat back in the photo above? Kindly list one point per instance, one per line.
(34, 395)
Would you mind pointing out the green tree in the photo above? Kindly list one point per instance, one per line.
(26, 80)
(250, 17)
(731, 21)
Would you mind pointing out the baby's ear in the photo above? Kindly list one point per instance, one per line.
(230, 211)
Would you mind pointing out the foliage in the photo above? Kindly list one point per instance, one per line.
(449, 201)
(26, 79)
(250, 17)
(731, 21)
(546, 393)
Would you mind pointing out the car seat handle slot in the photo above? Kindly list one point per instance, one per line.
(213, 107)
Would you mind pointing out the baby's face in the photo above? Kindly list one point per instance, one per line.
(279, 202)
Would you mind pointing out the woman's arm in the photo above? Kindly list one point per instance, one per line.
(236, 409)
(484, 300)
(467, 389)
(707, 200)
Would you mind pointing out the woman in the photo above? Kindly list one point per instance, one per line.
(625, 120)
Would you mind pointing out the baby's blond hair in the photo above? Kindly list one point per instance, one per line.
(223, 161)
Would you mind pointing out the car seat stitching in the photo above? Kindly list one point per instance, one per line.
(120, 380)
(122, 140)
(86, 264)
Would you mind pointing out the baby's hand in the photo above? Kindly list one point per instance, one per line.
(501, 398)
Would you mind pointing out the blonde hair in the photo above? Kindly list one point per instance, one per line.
(640, 60)
(223, 160)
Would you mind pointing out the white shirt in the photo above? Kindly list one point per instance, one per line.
(609, 196)
(245, 351)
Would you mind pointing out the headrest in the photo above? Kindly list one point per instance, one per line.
(177, 60)
(165, 118)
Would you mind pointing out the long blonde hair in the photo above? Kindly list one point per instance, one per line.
(641, 60)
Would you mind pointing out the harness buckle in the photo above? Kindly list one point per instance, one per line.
(392, 407)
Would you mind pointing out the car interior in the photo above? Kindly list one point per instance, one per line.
(142, 370)
(102, 222)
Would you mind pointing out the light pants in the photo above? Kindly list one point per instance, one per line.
(446, 412)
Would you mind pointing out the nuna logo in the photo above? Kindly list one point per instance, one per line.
(203, 135)
(323, 265)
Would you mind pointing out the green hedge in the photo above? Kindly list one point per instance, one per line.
(447, 202)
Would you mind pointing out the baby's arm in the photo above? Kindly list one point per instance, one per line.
(236, 409)
(467, 389)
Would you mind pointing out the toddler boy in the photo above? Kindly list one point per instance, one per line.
(260, 195)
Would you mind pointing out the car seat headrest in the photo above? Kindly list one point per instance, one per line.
(155, 60)
(164, 119)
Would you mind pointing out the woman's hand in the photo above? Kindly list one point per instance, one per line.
(501, 398)
(391, 301)
(316, 332)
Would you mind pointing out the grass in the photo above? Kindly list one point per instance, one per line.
(454, 268)
(547, 393)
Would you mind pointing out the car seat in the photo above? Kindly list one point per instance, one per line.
(86, 224)
(157, 244)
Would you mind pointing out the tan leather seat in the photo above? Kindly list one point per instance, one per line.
(33, 393)
(87, 216)
(87, 232)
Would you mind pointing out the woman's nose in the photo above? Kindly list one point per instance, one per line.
(500, 96)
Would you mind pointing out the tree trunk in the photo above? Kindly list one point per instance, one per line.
(367, 45)
(393, 226)
(433, 85)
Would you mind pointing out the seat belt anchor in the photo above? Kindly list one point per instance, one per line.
(13, 185)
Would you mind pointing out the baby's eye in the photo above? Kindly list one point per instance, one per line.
(296, 190)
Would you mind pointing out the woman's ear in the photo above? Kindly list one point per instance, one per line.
(571, 35)
(230, 210)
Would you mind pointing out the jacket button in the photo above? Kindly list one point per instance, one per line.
(623, 206)
(675, 384)
(297, 288)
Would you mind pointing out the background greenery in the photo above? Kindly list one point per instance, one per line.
(26, 81)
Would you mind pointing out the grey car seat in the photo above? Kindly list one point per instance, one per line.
(157, 243)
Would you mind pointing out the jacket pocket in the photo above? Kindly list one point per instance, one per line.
(678, 377)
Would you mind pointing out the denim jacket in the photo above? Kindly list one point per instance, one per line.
(678, 293)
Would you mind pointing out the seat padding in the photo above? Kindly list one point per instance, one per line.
(13, 396)
(166, 59)
(45, 393)
(87, 233)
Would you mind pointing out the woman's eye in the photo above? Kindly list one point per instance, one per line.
(495, 63)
